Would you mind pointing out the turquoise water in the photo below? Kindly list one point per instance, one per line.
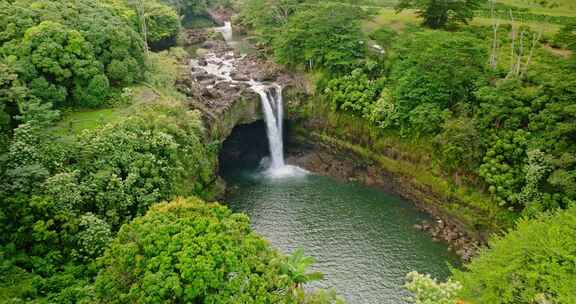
(362, 239)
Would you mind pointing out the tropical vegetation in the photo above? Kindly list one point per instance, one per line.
(113, 210)
(487, 106)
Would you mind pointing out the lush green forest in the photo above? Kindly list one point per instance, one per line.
(105, 168)
(93, 134)
(491, 104)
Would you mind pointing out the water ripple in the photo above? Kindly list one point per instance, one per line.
(362, 239)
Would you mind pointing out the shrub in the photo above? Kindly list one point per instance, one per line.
(193, 252)
(427, 290)
(534, 262)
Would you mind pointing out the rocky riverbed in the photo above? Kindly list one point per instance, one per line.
(218, 80)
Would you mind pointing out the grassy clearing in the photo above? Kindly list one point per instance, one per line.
(74, 123)
(548, 29)
(552, 7)
(389, 17)
(398, 21)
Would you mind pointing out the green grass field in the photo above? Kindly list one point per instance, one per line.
(397, 21)
(550, 7)
(386, 15)
(389, 17)
(73, 123)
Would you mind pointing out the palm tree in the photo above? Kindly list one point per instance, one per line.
(296, 268)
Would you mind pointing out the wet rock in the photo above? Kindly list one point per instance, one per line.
(426, 226)
(369, 181)
(207, 93)
(220, 15)
(200, 73)
(194, 36)
(239, 76)
(209, 45)
(208, 81)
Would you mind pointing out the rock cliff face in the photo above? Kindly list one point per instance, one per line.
(223, 100)
(220, 15)
(218, 80)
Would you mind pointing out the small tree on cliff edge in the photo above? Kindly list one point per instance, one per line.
(441, 13)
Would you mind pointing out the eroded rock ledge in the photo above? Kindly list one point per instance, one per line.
(226, 99)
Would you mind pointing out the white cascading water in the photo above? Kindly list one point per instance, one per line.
(271, 100)
(272, 107)
(226, 31)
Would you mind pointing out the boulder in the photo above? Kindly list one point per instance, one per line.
(209, 45)
(239, 76)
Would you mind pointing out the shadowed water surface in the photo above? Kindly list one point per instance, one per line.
(362, 239)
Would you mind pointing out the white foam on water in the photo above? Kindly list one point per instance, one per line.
(286, 171)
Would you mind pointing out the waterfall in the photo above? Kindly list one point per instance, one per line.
(272, 107)
(221, 66)
(226, 31)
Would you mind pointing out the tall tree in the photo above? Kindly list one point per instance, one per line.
(324, 36)
(441, 13)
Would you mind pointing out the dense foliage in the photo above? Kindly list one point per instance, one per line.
(427, 290)
(533, 264)
(327, 36)
(432, 73)
(566, 37)
(190, 251)
(163, 23)
(308, 34)
(73, 53)
(441, 13)
(62, 200)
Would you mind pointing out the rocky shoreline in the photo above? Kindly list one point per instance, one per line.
(346, 166)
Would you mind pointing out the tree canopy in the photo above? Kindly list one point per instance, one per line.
(327, 36)
(189, 251)
(441, 13)
(533, 263)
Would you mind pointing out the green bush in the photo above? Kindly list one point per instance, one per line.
(354, 93)
(384, 36)
(436, 68)
(566, 37)
(427, 290)
(74, 53)
(535, 263)
(324, 36)
(193, 252)
(163, 23)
